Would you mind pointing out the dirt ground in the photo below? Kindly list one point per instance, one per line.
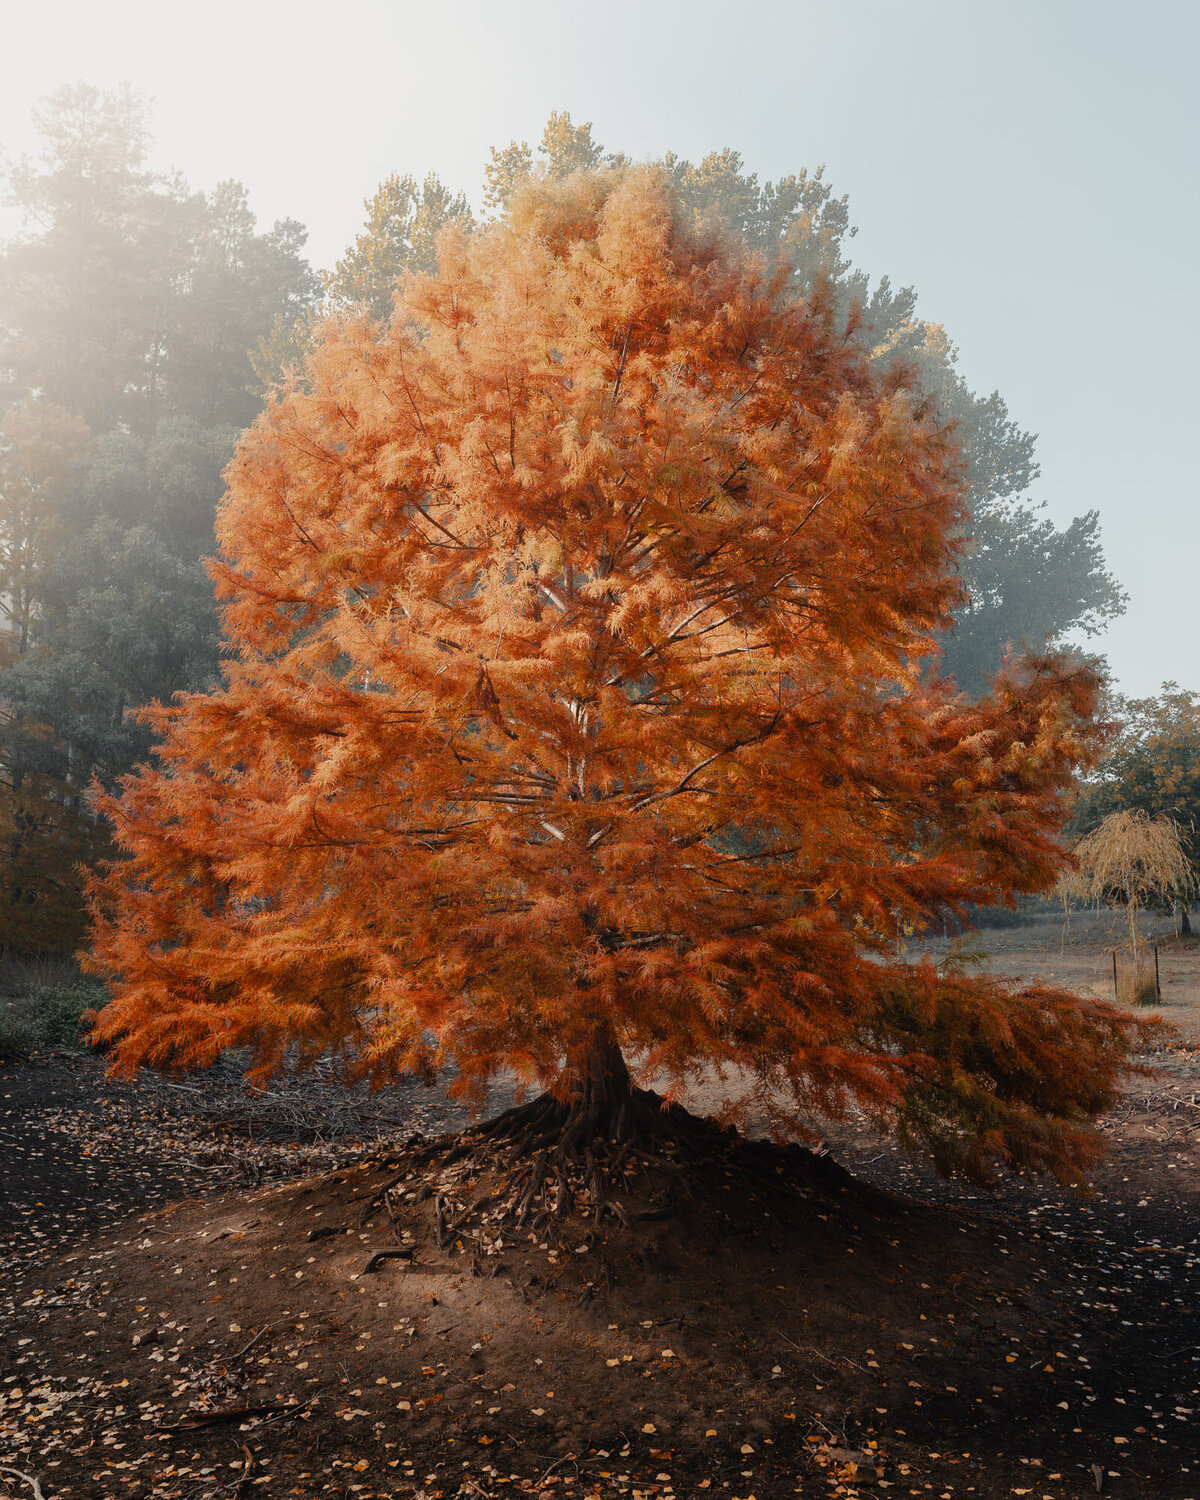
(189, 1310)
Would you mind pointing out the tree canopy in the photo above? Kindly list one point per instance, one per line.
(1028, 584)
(1152, 765)
(1133, 861)
(578, 709)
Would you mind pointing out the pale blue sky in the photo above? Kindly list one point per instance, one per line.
(1030, 166)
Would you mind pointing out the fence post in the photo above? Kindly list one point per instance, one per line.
(1116, 992)
(1157, 984)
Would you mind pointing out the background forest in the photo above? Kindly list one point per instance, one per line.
(144, 323)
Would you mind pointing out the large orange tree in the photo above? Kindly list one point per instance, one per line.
(579, 710)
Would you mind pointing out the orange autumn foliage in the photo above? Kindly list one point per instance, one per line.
(579, 689)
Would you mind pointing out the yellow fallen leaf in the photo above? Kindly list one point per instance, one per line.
(649, 1427)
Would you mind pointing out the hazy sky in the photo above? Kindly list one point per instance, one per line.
(1030, 166)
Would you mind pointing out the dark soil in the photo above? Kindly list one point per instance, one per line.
(899, 1335)
(79, 1152)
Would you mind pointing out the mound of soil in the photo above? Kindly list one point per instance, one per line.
(859, 1342)
(889, 1333)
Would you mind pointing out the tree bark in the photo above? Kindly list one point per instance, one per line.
(603, 1091)
(1185, 921)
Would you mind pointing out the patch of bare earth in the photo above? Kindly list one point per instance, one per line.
(813, 1336)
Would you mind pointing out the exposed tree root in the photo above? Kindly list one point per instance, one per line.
(619, 1160)
(381, 1255)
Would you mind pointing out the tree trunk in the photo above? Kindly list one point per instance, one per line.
(1185, 922)
(603, 1093)
(17, 838)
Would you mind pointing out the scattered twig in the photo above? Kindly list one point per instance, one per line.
(287, 1413)
(196, 1419)
(247, 1469)
(567, 1458)
(28, 1478)
(246, 1348)
(808, 1349)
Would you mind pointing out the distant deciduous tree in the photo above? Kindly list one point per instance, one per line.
(1152, 767)
(1029, 584)
(38, 444)
(43, 828)
(108, 609)
(608, 550)
(127, 613)
(86, 289)
(126, 297)
(1131, 861)
(240, 282)
(47, 834)
(131, 302)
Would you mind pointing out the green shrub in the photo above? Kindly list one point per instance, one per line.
(57, 1012)
(42, 1002)
(16, 1033)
